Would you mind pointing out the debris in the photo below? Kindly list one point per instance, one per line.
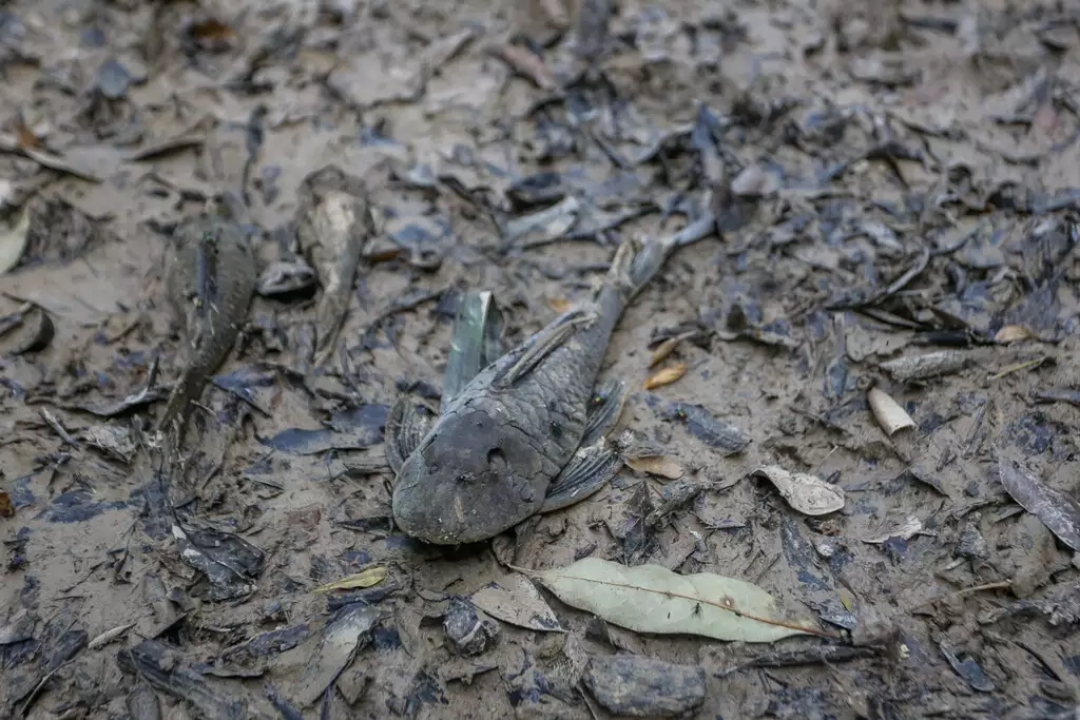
(515, 600)
(527, 64)
(54, 423)
(229, 562)
(335, 649)
(149, 393)
(631, 686)
(470, 633)
(644, 456)
(653, 599)
(666, 376)
(13, 241)
(807, 494)
(1059, 512)
(165, 670)
(667, 347)
(112, 440)
(925, 367)
(706, 427)
(108, 636)
(967, 668)
(911, 527)
(888, 412)
(363, 579)
(1013, 333)
(659, 465)
(30, 327)
(357, 429)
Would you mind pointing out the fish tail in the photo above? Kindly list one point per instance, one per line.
(636, 262)
(178, 409)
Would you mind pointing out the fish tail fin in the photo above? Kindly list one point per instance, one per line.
(178, 408)
(636, 262)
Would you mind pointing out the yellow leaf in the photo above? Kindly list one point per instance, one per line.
(1013, 333)
(657, 465)
(666, 376)
(362, 579)
(666, 348)
(559, 305)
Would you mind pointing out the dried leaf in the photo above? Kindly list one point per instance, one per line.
(1012, 333)
(515, 600)
(888, 412)
(924, 367)
(6, 508)
(559, 305)
(807, 494)
(363, 579)
(666, 376)
(666, 348)
(657, 465)
(333, 652)
(13, 242)
(653, 599)
(1058, 511)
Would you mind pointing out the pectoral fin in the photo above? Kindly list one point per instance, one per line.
(605, 408)
(543, 343)
(409, 421)
(475, 342)
(588, 471)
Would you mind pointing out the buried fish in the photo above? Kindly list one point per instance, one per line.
(211, 277)
(520, 434)
(332, 231)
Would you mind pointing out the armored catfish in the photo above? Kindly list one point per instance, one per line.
(210, 280)
(526, 433)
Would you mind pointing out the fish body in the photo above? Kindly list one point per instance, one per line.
(332, 235)
(489, 460)
(210, 279)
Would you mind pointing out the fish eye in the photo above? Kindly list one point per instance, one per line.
(495, 456)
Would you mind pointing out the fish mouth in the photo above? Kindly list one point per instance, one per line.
(437, 521)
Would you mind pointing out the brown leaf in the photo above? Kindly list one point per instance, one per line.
(666, 376)
(657, 465)
(6, 509)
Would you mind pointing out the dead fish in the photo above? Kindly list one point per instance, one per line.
(527, 433)
(284, 278)
(332, 235)
(210, 279)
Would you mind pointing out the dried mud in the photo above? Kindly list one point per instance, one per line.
(938, 138)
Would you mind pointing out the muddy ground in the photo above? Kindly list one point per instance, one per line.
(888, 179)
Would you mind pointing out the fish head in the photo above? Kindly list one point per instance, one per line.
(471, 479)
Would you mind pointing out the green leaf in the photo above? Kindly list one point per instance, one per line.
(653, 599)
